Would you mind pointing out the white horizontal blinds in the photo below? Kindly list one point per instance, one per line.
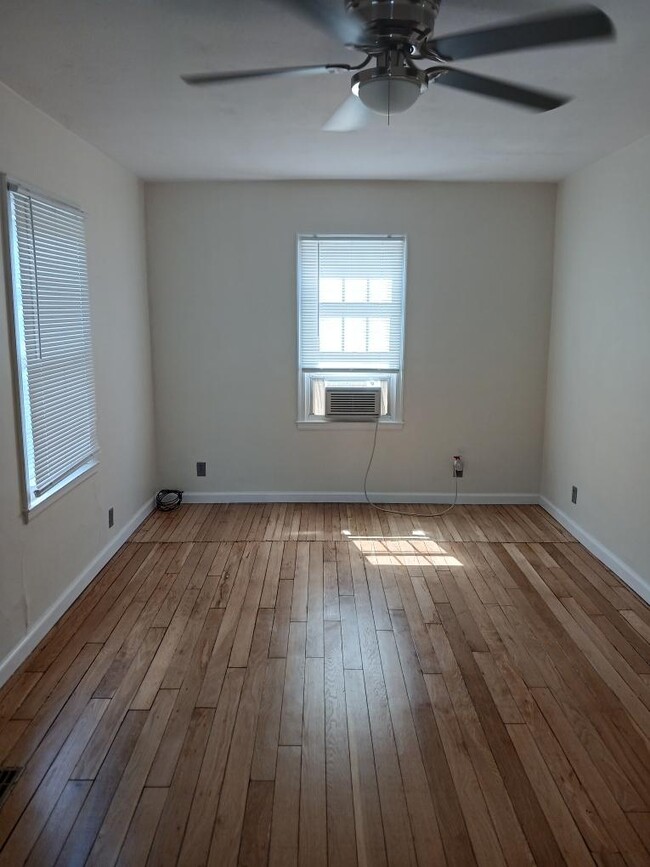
(51, 302)
(351, 302)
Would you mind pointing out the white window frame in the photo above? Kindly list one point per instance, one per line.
(395, 379)
(34, 502)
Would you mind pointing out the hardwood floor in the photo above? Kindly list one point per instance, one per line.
(325, 684)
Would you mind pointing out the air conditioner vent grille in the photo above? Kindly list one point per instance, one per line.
(352, 404)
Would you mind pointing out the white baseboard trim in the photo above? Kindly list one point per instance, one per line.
(353, 497)
(635, 581)
(43, 625)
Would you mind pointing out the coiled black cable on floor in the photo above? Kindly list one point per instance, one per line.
(168, 500)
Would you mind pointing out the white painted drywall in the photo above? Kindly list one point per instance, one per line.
(41, 560)
(598, 408)
(222, 285)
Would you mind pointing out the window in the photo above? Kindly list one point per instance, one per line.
(49, 298)
(351, 318)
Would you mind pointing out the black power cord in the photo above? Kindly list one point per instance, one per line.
(168, 500)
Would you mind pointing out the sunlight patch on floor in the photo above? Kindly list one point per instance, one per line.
(411, 560)
(413, 550)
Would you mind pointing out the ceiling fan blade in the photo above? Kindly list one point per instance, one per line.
(581, 23)
(332, 16)
(537, 100)
(240, 75)
(350, 116)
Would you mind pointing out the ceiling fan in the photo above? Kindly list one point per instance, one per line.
(396, 35)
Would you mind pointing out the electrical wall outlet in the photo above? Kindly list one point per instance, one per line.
(111, 517)
(458, 467)
(201, 468)
(574, 495)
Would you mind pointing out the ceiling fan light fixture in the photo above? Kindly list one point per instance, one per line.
(389, 91)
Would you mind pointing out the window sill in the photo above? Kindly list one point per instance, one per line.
(348, 425)
(85, 472)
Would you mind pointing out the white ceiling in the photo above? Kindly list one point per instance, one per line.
(109, 70)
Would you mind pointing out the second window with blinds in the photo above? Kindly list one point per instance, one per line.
(51, 313)
(351, 292)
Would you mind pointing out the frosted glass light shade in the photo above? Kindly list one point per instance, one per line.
(388, 94)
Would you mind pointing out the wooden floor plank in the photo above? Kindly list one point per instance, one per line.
(292, 703)
(216, 669)
(613, 818)
(482, 833)
(524, 800)
(641, 823)
(453, 830)
(597, 713)
(268, 726)
(341, 842)
(426, 833)
(40, 726)
(300, 583)
(315, 601)
(135, 851)
(272, 575)
(11, 699)
(10, 733)
(118, 818)
(232, 803)
(43, 740)
(331, 608)
(281, 619)
(200, 823)
(256, 832)
(397, 831)
(500, 808)
(367, 811)
(575, 795)
(164, 764)
(169, 831)
(286, 809)
(417, 626)
(32, 821)
(557, 813)
(87, 824)
(94, 754)
(77, 625)
(312, 845)
(248, 616)
(58, 826)
(343, 572)
(350, 633)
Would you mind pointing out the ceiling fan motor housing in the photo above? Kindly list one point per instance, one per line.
(391, 21)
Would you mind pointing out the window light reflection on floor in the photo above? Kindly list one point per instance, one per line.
(402, 550)
(411, 560)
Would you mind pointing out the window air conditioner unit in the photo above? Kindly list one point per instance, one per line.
(352, 403)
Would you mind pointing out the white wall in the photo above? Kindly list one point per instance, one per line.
(222, 284)
(40, 561)
(598, 409)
